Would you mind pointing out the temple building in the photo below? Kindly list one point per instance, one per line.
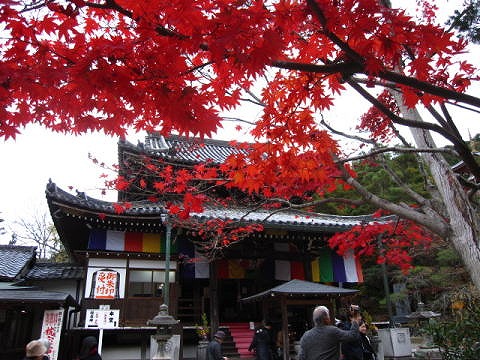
(138, 258)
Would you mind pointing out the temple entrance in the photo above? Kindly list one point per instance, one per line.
(230, 308)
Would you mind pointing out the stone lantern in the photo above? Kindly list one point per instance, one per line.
(167, 336)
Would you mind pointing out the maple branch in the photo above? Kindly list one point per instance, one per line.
(429, 88)
(462, 106)
(397, 119)
(432, 221)
(315, 203)
(312, 4)
(113, 5)
(461, 147)
(33, 6)
(110, 5)
(396, 78)
(332, 68)
(397, 150)
(348, 136)
(256, 100)
(238, 119)
(424, 203)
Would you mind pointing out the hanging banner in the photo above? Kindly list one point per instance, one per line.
(52, 330)
(105, 284)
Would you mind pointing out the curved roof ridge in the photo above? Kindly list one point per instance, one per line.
(289, 218)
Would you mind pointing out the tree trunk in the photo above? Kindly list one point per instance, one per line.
(464, 226)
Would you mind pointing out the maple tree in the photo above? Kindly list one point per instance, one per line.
(112, 65)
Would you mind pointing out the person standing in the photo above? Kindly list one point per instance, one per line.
(262, 342)
(214, 349)
(352, 350)
(322, 342)
(361, 349)
(367, 348)
(89, 349)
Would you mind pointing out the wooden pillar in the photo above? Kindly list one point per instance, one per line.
(286, 342)
(214, 305)
(265, 306)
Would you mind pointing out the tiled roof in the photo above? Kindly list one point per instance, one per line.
(36, 297)
(269, 218)
(300, 288)
(14, 260)
(50, 271)
(188, 150)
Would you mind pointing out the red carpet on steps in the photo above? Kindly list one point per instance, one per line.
(242, 336)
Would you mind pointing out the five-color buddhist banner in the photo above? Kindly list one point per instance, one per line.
(327, 267)
(331, 267)
(110, 240)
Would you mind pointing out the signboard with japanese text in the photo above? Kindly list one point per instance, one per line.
(52, 330)
(105, 285)
(102, 318)
(97, 273)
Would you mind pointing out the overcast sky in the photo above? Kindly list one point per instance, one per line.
(38, 155)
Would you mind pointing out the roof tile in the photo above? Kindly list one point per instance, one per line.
(14, 260)
(50, 271)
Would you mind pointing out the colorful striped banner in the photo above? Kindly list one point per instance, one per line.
(287, 270)
(331, 267)
(235, 269)
(127, 241)
(202, 266)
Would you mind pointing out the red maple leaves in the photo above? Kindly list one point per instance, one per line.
(76, 66)
(393, 242)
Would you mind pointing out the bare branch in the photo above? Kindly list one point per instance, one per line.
(397, 150)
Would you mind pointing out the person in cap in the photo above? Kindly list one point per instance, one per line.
(214, 349)
(262, 342)
(37, 350)
(89, 349)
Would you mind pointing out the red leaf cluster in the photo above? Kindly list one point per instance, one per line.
(78, 66)
(392, 242)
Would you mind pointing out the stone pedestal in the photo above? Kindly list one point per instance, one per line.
(202, 350)
(377, 346)
(167, 342)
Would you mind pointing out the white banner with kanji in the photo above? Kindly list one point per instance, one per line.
(102, 318)
(52, 330)
(105, 284)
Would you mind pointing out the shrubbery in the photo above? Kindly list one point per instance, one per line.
(458, 337)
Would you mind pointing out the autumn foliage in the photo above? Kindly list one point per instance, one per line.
(112, 65)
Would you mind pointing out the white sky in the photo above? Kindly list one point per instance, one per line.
(38, 155)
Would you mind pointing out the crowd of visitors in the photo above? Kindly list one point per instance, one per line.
(345, 340)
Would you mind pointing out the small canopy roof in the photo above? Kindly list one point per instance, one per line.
(423, 315)
(300, 288)
(37, 297)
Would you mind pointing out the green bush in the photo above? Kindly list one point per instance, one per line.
(458, 338)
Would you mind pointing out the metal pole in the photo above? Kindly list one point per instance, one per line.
(166, 297)
(385, 286)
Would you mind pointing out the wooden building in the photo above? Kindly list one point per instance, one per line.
(30, 289)
(128, 255)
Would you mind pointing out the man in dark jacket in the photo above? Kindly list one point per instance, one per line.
(262, 342)
(322, 342)
(214, 349)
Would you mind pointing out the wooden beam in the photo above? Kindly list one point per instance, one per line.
(286, 342)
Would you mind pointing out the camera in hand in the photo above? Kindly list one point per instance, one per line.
(354, 309)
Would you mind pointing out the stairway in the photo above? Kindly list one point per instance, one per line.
(242, 337)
